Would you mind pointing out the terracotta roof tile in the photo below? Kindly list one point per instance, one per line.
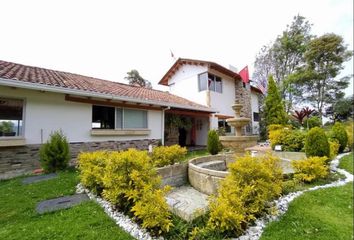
(65, 80)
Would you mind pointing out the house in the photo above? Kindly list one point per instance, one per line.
(92, 113)
(217, 87)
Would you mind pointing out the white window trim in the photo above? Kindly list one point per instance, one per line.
(22, 136)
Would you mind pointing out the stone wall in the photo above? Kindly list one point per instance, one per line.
(243, 96)
(15, 161)
(174, 175)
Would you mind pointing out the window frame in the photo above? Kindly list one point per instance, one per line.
(23, 129)
(122, 118)
(214, 80)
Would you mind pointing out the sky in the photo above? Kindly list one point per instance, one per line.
(106, 39)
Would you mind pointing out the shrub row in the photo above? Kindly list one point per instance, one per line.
(129, 181)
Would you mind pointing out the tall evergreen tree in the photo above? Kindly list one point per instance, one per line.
(274, 112)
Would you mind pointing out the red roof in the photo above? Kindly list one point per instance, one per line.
(65, 80)
(211, 65)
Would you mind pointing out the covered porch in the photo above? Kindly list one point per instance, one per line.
(186, 127)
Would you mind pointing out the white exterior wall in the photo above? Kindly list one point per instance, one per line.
(45, 112)
(255, 108)
(184, 83)
(222, 102)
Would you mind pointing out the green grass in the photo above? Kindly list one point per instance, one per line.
(346, 163)
(198, 153)
(18, 219)
(321, 214)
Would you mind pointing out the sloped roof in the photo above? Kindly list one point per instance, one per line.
(211, 65)
(65, 80)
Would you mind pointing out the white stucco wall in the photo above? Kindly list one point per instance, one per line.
(222, 102)
(184, 83)
(255, 108)
(46, 112)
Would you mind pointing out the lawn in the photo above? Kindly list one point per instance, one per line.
(18, 219)
(347, 163)
(321, 214)
(198, 153)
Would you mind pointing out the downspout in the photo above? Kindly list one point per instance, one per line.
(163, 125)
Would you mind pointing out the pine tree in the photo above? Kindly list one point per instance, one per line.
(274, 112)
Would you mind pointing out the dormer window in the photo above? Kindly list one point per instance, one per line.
(207, 81)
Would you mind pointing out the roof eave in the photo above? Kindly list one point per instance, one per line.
(55, 89)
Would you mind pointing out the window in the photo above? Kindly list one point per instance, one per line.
(102, 117)
(209, 81)
(118, 118)
(202, 81)
(135, 118)
(223, 124)
(256, 116)
(11, 117)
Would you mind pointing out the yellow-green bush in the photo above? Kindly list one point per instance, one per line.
(349, 128)
(291, 140)
(92, 166)
(152, 209)
(333, 148)
(311, 169)
(163, 156)
(243, 194)
(132, 184)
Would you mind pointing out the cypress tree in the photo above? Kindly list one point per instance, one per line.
(274, 112)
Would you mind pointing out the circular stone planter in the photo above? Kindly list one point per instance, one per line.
(204, 173)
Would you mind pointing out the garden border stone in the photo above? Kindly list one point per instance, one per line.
(39, 178)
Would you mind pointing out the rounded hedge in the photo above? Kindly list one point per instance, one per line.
(338, 132)
(316, 143)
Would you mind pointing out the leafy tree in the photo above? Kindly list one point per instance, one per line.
(342, 109)
(274, 108)
(283, 57)
(324, 57)
(135, 78)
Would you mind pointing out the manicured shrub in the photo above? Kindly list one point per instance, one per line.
(316, 143)
(92, 168)
(338, 132)
(132, 184)
(243, 194)
(163, 156)
(311, 169)
(312, 122)
(294, 141)
(54, 154)
(349, 127)
(213, 144)
(333, 148)
(291, 140)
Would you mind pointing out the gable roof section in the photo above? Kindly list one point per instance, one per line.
(211, 65)
(13, 74)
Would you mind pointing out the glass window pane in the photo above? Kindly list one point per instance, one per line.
(202, 81)
(135, 118)
(11, 121)
(102, 117)
(211, 82)
(218, 85)
(119, 118)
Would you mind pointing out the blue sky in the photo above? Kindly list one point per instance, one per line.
(106, 39)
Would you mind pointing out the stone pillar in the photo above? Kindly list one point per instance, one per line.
(243, 96)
